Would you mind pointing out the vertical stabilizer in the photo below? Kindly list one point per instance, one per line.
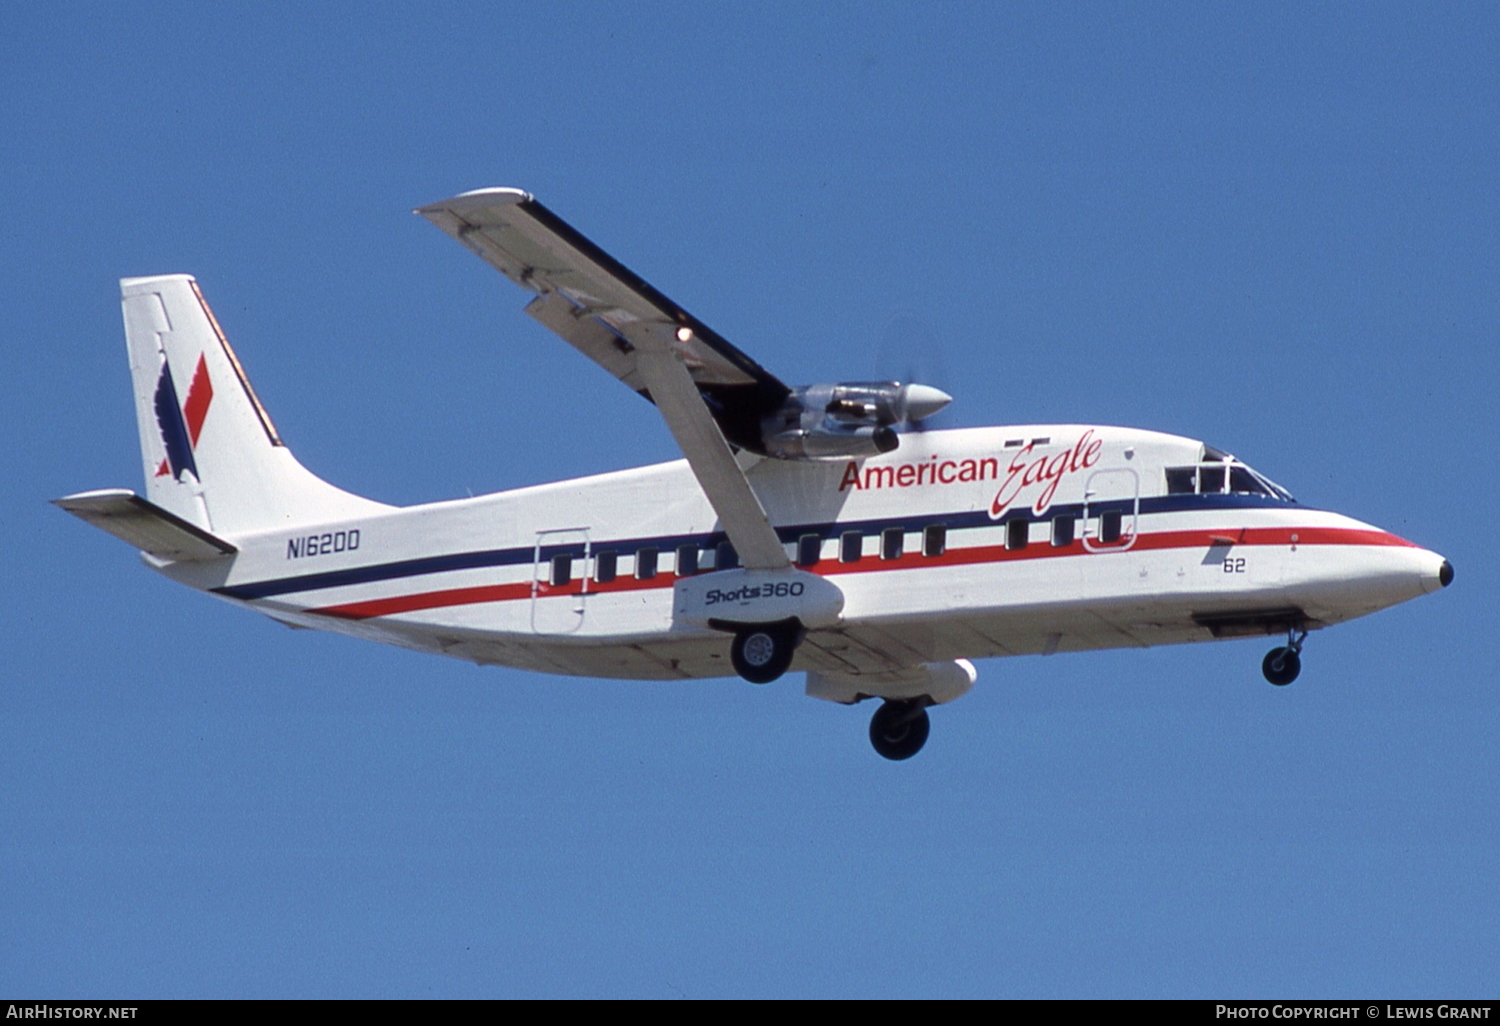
(211, 454)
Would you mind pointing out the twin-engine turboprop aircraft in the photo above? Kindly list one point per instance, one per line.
(807, 529)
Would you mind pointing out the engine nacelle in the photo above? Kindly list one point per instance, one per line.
(850, 420)
(822, 443)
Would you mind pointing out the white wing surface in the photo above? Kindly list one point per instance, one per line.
(710, 394)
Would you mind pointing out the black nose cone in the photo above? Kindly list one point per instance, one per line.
(1445, 574)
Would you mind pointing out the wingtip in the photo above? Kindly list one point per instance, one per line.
(490, 197)
(145, 283)
(93, 494)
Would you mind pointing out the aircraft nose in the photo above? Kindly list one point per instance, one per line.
(1438, 573)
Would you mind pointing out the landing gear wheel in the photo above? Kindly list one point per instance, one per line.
(1281, 666)
(898, 730)
(761, 654)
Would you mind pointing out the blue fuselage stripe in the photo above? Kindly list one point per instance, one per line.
(526, 555)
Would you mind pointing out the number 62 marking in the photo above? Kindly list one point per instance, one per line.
(1234, 566)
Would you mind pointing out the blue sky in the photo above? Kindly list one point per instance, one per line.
(1272, 227)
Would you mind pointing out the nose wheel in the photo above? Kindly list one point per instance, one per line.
(898, 730)
(1282, 665)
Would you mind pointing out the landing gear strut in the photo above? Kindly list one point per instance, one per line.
(763, 652)
(1282, 665)
(898, 730)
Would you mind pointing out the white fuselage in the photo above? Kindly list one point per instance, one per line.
(523, 578)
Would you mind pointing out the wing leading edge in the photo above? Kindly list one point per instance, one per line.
(708, 391)
(604, 309)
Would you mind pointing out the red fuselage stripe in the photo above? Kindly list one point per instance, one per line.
(872, 564)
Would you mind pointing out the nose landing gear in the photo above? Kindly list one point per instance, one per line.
(1282, 665)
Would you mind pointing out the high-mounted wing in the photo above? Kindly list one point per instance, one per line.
(605, 310)
(708, 391)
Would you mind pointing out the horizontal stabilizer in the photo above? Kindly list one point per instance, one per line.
(145, 525)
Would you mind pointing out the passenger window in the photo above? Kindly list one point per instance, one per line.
(1017, 534)
(562, 570)
(1109, 526)
(645, 564)
(892, 542)
(687, 560)
(934, 540)
(605, 566)
(851, 546)
(1062, 531)
(725, 558)
(1180, 480)
(1210, 480)
(809, 550)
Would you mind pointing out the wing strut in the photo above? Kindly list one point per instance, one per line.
(639, 335)
(721, 478)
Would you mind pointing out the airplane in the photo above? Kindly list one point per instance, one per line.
(817, 528)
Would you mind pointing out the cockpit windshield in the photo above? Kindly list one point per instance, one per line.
(1218, 473)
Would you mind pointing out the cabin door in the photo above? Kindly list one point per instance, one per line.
(560, 580)
(1111, 507)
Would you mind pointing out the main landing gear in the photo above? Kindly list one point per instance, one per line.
(1281, 665)
(899, 729)
(762, 652)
